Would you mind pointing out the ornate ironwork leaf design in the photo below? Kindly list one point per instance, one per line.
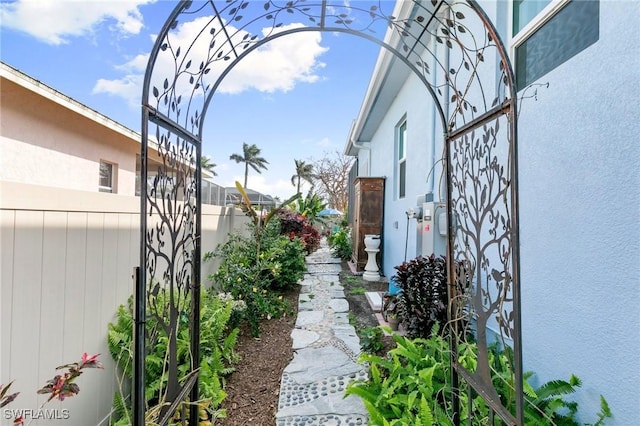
(449, 44)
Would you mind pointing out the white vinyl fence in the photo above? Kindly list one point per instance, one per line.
(67, 264)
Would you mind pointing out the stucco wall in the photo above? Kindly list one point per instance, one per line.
(424, 148)
(46, 144)
(579, 192)
(579, 147)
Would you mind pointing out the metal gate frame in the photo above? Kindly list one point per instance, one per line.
(470, 68)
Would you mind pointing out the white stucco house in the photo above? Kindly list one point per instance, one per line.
(579, 184)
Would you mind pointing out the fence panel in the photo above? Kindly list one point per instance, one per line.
(67, 263)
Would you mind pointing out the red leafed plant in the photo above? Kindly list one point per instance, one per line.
(297, 225)
(60, 386)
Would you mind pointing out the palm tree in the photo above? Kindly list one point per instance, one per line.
(207, 164)
(250, 157)
(304, 171)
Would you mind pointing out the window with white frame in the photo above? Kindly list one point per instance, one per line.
(401, 169)
(547, 33)
(106, 182)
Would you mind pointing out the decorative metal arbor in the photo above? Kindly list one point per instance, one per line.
(453, 48)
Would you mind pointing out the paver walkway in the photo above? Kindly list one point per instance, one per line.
(326, 350)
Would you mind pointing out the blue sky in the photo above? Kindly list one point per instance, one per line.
(95, 52)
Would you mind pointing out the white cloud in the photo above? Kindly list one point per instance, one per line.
(279, 64)
(137, 64)
(128, 87)
(55, 21)
(276, 66)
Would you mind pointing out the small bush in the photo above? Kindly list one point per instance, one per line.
(258, 278)
(340, 243)
(293, 224)
(412, 386)
(258, 274)
(311, 238)
(283, 263)
(423, 300)
(371, 340)
(291, 221)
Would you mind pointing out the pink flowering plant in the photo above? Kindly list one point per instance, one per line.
(59, 387)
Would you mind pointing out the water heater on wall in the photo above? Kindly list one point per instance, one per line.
(432, 228)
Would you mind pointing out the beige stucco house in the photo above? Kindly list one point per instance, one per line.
(49, 139)
(67, 246)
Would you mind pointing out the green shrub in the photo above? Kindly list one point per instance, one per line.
(259, 275)
(405, 387)
(294, 224)
(217, 351)
(340, 243)
(371, 340)
(284, 263)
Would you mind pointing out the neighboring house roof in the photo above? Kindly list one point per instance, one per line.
(256, 198)
(31, 84)
(36, 86)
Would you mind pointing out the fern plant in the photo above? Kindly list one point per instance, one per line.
(217, 355)
(411, 386)
(408, 386)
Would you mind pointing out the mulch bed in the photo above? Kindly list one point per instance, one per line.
(253, 388)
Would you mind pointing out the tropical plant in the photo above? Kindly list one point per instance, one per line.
(412, 386)
(371, 340)
(423, 300)
(259, 280)
(311, 238)
(340, 243)
(217, 352)
(310, 206)
(405, 387)
(304, 171)
(60, 387)
(283, 263)
(207, 164)
(296, 225)
(251, 158)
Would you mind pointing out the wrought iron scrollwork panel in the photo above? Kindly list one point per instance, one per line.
(204, 40)
(481, 179)
(170, 238)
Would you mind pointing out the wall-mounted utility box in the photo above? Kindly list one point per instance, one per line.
(432, 229)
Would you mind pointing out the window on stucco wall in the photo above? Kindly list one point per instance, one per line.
(106, 181)
(547, 33)
(401, 158)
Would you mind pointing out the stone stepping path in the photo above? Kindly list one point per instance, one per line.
(326, 350)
